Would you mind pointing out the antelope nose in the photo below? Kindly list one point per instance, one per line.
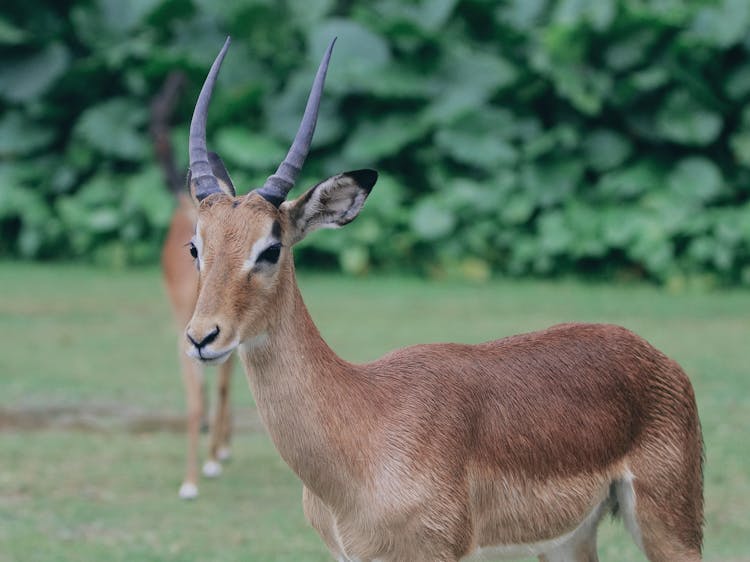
(208, 338)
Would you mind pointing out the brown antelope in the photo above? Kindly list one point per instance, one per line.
(510, 448)
(181, 280)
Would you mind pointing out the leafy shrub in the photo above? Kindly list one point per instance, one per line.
(524, 137)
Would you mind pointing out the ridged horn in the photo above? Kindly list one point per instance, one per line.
(278, 185)
(203, 181)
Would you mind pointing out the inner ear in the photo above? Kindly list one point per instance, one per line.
(330, 204)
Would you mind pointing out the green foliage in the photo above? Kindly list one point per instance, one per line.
(523, 137)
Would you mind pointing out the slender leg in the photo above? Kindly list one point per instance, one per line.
(225, 380)
(192, 376)
(212, 467)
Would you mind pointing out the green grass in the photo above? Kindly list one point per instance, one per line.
(82, 337)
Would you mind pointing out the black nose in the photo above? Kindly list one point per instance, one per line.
(211, 336)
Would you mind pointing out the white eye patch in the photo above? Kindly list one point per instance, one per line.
(198, 243)
(260, 245)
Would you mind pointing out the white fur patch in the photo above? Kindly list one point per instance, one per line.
(626, 499)
(510, 551)
(260, 244)
(188, 491)
(211, 469)
(211, 357)
(198, 243)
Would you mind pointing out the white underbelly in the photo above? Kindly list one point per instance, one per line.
(510, 551)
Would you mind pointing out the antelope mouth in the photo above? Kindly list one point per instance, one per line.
(210, 357)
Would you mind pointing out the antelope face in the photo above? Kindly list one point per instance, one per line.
(238, 251)
(242, 248)
(242, 245)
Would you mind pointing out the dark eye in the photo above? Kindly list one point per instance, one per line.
(193, 251)
(270, 254)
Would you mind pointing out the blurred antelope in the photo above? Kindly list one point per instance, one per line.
(181, 280)
(513, 447)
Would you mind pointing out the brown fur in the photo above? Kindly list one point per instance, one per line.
(181, 282)
(435, 450)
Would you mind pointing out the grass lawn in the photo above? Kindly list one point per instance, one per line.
(101, 343)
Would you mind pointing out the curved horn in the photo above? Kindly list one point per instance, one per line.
(203, 181)
(279, 184)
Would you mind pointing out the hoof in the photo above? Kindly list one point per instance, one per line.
(211, 469)
(188, 491)
(224, 454)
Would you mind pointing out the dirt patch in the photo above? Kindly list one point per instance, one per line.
(108, 417)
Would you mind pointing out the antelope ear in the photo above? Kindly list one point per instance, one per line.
(330, 204)
(220, 174)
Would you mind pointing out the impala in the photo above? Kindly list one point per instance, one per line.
(511, 448)
(181, 281)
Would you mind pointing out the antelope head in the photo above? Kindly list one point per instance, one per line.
(242, 245)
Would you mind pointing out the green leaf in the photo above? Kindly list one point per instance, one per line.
(113, 128)
(553, 182)
(740, 143)
(524, 15)
(630, 51)
(285, 110)
(466, 80)
(555, 234)
(20, 136)
(422, 17)
(147, 192)
(315, 10)
(359, 52)
(641, 177)
(430, 221)
(374, 140)
(485, 151)
(103, 220)
(599, 14)
(696, 180)
(606, 149)
(517, 209)
(683, 120)
(723, 24)
(650, 78)
(738, 83)
(26, 78)
(237, 145)
(10, 34)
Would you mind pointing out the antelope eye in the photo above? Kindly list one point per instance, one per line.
(193, 251)
(270, 254)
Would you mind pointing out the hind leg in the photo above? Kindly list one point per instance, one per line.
(664, 522)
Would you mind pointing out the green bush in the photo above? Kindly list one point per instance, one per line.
(524, 137)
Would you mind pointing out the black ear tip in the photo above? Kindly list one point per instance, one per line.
(365, 178)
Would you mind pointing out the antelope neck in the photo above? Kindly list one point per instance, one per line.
(306, 400)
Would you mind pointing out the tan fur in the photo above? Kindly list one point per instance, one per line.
(181, 281)
(436, 450)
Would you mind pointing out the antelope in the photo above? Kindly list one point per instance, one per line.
(181, 282)
(437, 452)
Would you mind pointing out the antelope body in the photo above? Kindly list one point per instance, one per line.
(513, 447)
(181, 282)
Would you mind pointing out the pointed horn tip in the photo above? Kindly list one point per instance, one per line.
(329, 50)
